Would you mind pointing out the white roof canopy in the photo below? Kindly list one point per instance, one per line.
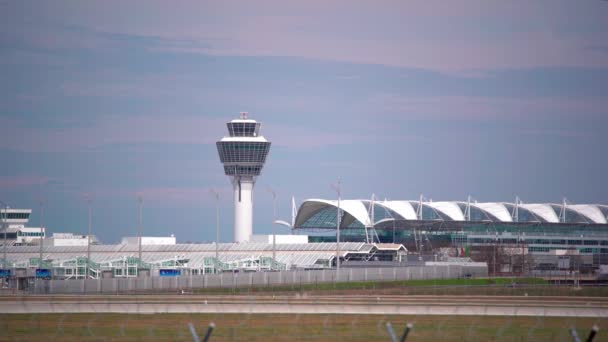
(453, 211)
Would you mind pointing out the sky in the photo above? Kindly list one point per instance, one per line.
(117, 99)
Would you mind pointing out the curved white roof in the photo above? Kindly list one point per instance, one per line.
(353, 207)
(544, 211)
(403, 208)
(449, 209)
(498, 210)
(590, 211)
(356, 209)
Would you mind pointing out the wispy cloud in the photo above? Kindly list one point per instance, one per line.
(480, 108)
(413, 34)
(23, 181)
(111, 129)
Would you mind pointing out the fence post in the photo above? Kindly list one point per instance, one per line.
(365, 276)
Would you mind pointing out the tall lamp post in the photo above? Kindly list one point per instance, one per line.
(88, 199)
(216, 195)
(140, 200)
(41, 230)
(274, 218)
(5, 230)
(338, 190)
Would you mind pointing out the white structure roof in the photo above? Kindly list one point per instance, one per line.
(453, 211)
(542, 211)
(354, 208)
(498, 210)
(299, 255)
(592, 212)
(403, 208)
(449, 209)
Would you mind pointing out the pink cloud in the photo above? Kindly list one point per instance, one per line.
(422, 34)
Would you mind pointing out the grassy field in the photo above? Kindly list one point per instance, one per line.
(474, 286)
(262, 327)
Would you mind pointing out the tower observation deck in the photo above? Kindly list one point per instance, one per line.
(243, 154)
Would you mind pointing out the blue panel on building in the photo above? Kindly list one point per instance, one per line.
(5, 273)
(169, 273)
(43, 273)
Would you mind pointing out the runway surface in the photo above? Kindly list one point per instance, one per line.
(376, 305)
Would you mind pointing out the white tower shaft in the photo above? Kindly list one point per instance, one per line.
(243, 208)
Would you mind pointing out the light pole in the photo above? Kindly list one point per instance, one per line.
(274, 218)
(5, 230)
(216, 194)
(338, 190)
(88, 199)
(41, 230)
(141, 228)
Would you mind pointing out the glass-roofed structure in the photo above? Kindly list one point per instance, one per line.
(543, 229)
(70, 262)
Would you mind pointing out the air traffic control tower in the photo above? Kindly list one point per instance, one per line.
(243, 154)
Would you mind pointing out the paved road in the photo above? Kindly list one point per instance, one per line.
(381, 305)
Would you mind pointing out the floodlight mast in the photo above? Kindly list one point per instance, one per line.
(41, 230)
(216, 195)
(5, 230)
(88, 271)
(338, 190)
(274, 218)
(243, 153)
(140, 200)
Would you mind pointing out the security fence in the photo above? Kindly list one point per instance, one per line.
(251, 279)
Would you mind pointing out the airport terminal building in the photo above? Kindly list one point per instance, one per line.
(549, 236)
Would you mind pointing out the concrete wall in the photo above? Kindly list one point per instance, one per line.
(248, 279)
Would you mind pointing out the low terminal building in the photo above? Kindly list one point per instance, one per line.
(279, 239)
(70, 239)
(13, 230)
(149, 240)
(68, 262)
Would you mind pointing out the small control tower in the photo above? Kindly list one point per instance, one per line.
(243, 154)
